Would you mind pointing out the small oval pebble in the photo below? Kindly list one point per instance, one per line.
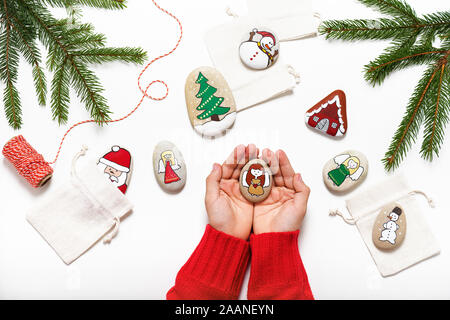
(255, 181)
(210, 102)
(169, 167)
(259, 48)
(345, 171)
(389, 228)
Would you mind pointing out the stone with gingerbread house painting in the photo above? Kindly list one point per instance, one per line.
(329, 115)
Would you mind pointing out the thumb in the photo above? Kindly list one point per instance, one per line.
(213, 183)
(301, 189)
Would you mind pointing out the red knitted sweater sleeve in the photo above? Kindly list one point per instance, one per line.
(277, 270)
(214, 271)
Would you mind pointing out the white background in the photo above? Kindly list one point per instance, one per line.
(156, 240)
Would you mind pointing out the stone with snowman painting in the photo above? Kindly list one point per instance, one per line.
(345, 171)
(255, 181)
(389, 228)
(259, 49)
(116, 165)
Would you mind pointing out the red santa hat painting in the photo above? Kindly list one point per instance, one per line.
(116, 166)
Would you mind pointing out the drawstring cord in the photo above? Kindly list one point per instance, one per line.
(353, 221)
(293, 72)
(429, 199)
(110, 234)
(336, 212)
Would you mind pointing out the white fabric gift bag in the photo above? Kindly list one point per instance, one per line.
(419, 243)
(289, 19)
(78, 214)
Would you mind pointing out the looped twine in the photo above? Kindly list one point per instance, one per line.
(293, 72)
(230, 12)
(336, 212)
(111, 235)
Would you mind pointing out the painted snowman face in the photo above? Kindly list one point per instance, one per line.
(393, 216)
(259, 48)
(267, 43)
(256, 173)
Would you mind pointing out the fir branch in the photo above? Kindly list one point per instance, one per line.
(392, 8)
(9, 61)
(437, 114)
(104, 4)
(31, 53)
(412, 44)
(377, 70)
(71, 47)
(60, 94)
(407, 132)
(101, 55)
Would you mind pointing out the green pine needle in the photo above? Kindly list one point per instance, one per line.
(412, 44)
(71, 48)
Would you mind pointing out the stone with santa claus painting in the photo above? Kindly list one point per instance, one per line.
(259, 48)
(169, 167)
(345, 171)
(117, 165)
(255, 181)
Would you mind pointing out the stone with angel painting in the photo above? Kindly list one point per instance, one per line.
(345, 171)
(169, 167)
(255, 181)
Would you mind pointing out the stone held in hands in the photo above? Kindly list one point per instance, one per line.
(259, 49)
(389, 228)
(345, 171)
(329, 115)
(256, 180)
(169, 167)
(210, 102)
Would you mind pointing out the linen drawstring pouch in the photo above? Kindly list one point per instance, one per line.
(78, 214)
(289, 19)
(419, 242)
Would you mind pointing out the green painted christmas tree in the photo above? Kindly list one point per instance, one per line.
(210, 103)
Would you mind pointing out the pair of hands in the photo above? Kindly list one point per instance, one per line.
(229, 212)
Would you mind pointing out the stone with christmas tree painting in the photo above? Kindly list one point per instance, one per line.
(259, 48)
(329, 115)
(389, 228)
(169, 167)
(210, 102)
(117, 166)
(255, 180)
(345, 171)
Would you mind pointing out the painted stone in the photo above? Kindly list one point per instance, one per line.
(345, 171)
(255, 181)
(210, 102)
(329, 115)
(117, 166)
(259, 48)
(389, 229)
(169, 167)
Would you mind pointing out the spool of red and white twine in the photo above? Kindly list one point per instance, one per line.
(32, 166)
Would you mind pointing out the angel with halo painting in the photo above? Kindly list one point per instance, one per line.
(347, 166)
(168, 164)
